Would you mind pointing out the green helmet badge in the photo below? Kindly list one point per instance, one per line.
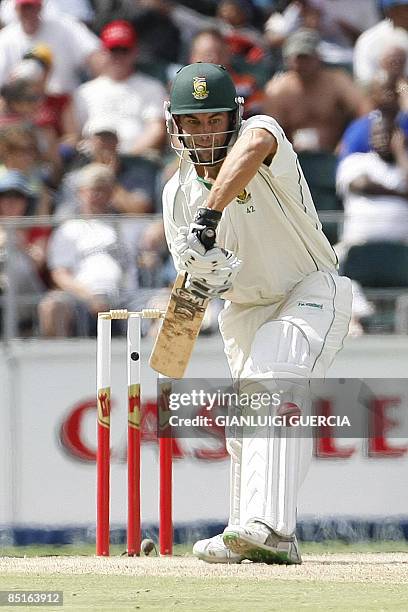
(200, 91)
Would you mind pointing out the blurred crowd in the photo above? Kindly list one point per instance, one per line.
(83, 145)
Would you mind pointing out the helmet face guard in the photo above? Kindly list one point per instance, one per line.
(203, 88)
(185, 144)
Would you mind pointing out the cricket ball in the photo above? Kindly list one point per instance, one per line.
(147, 546)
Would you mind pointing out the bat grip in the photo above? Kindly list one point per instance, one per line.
(208, 219)
(207, 237)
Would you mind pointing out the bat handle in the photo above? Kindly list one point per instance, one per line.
(207, 237)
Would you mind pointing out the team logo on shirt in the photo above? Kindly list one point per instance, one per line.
(311, 305)
(243, 197)
(200, 91)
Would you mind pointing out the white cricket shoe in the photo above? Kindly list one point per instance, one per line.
(261, 544)
(213, 550)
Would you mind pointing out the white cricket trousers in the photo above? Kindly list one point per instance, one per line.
(297, 337)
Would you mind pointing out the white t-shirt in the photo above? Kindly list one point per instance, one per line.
(371, 46)
(78, 9)
(372, 217)
(91, 251)
(70, 42)
(130, 104)
(273, 227)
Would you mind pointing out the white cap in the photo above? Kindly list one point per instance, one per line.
(28, 69)
(95, 174)
(97, 125)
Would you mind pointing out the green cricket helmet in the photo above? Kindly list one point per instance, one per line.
(203, 88)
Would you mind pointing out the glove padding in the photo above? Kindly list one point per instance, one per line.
(202, 289)
(212, 272)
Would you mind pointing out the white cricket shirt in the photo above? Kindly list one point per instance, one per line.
(272, 227)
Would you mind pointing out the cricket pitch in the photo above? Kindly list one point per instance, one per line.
(346, 581)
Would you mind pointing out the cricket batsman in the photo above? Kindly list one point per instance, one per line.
(287, 310)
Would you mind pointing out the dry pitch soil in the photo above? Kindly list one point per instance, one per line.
(384, 568)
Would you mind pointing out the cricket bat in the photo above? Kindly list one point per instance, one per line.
(179, 330)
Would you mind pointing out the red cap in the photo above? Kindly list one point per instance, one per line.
(36, 2)
(118, 33)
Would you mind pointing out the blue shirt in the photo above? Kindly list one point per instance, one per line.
(356, 138)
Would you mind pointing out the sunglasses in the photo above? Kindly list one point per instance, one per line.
(119, 50)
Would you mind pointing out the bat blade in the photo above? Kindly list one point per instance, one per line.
(179, 330)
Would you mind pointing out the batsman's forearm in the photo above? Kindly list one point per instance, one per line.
(240, 166)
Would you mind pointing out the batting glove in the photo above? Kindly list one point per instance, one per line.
(216, 266)
(205, 224)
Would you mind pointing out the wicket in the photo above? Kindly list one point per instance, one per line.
(134, 439)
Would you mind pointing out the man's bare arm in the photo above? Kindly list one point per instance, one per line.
(350, 95)
(64, 280)
(365, 186)
(153, 138)
(241, 165)
(275, 102)
(130, 202)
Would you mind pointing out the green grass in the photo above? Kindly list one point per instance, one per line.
(315, 548)
(210, 594)
(218, 595)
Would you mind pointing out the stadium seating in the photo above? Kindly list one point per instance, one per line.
(319, 169)
(381, 268)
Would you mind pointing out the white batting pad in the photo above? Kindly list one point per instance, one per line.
(273, 460)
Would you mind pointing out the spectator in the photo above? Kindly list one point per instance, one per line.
(373, 43)
(312, 103)
(24, 102)
(19, 151)
(20, 101)
(236, 23)
(26, 254)
(55, 112)
(205, 7)
(187, 20)
(88, 262)
(135, 178)
(72, 45)
(239, 15)
(393, 63)
(210, 46)
(374, 187)
(78, 9)
(110, 10)
(130, 100)
(159, 38)
(385, 102)
(153, 257)
(393, 66)
(339, 23)
(294, 16)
